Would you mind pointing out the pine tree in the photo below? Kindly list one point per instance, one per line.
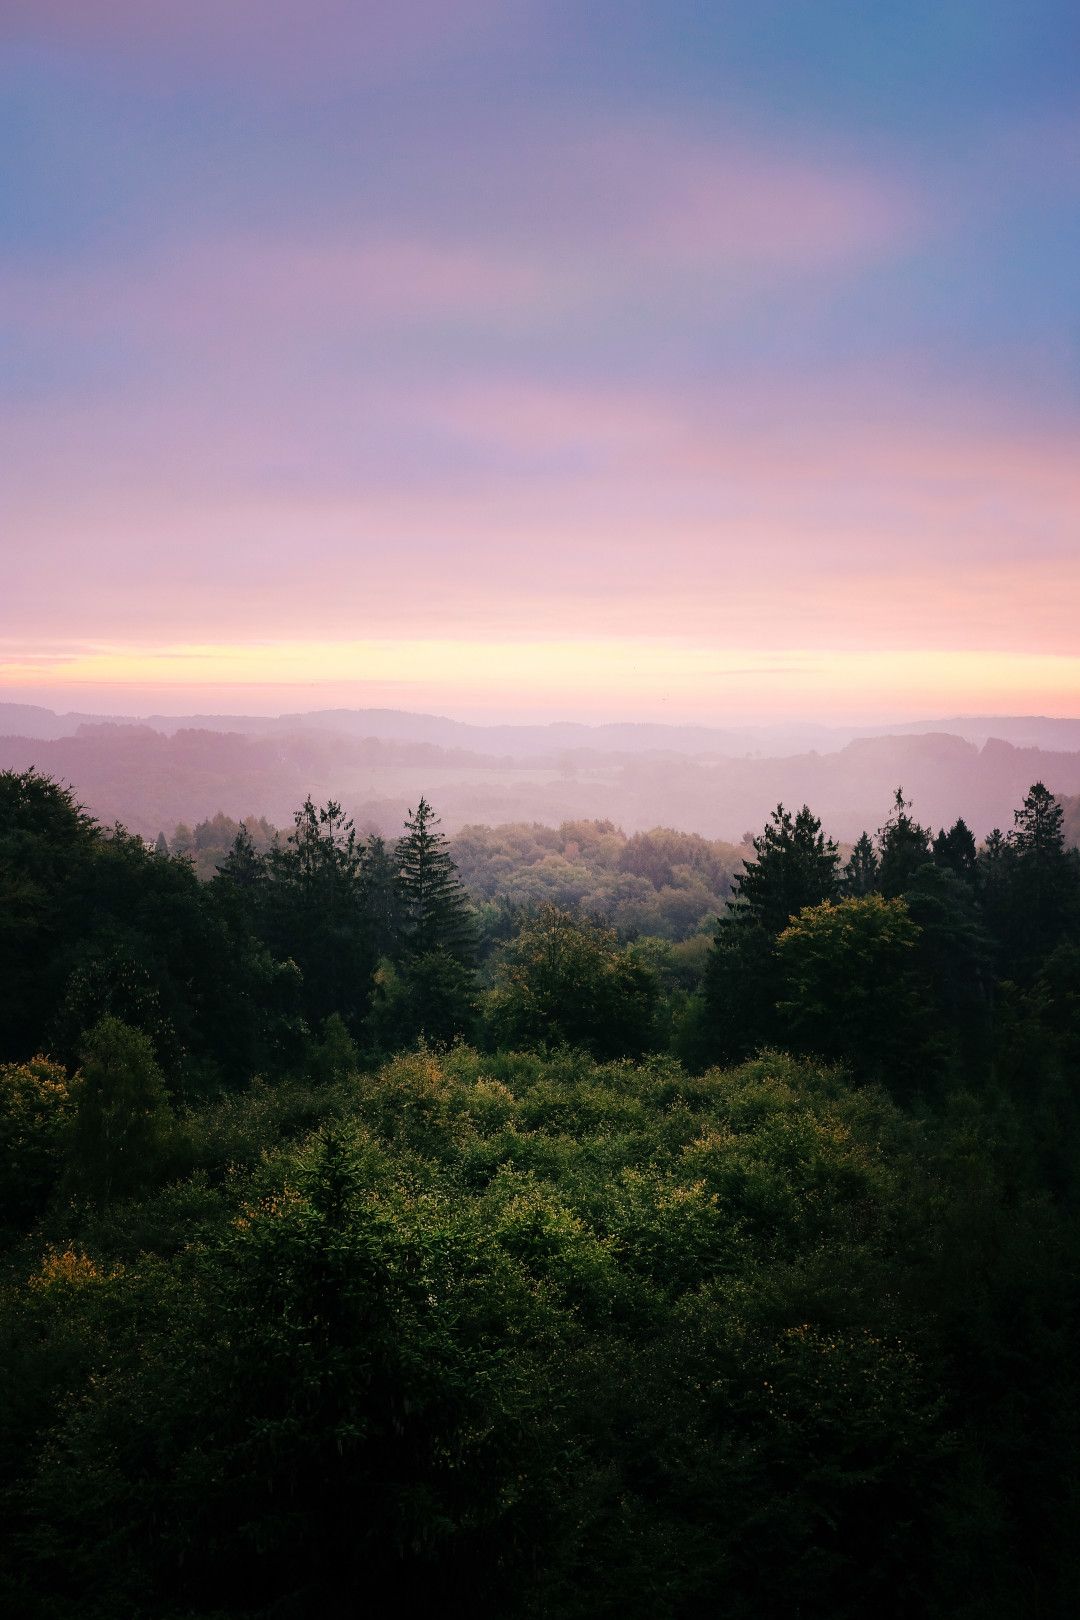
(956, 850)
(1045, 897)
(243, 867)
(904, 846)
(316, 913)
(435, 914)
(861, 874)
(796, 866)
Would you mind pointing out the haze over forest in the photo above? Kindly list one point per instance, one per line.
(155, 771)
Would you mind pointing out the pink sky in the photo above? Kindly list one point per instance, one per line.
(405, 355)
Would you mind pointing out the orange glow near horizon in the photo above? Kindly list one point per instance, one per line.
(616, 678)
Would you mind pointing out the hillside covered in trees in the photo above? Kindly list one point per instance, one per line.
(462, 1220)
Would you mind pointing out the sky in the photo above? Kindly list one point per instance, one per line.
(518, 359)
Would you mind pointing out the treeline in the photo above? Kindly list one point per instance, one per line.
(320, 936)
(724, 1277)
(663, 884)
(922, 959)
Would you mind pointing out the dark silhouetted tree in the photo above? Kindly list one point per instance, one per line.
(382, 897)
(862, 872)
(956, 850)
(903, 847)
(431, 997)
(435, 914)
(1045, 881)
(317, 914)
(795, 866)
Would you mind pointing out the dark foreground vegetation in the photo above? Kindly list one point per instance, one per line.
(366, 1251)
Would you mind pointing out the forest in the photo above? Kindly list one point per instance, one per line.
(543, 1222)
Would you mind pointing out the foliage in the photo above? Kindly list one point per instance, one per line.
(567, 981)
(661, 883)
(303, 1300)
(862, 870)
(36, 1109)
(315, 914)
(208, 844)
(523, 1335)
(122, 1126)
(903, 846)
(431, 997)
(849, 990)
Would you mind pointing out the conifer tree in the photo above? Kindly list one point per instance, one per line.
(243, 867)
(861, 874)
(317, 913)
(956, 850)
(904, 846)
(796, 866)
(434, 908)
(1045, 899)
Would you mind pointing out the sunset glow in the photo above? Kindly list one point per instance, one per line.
(593, 680)
(482, 359)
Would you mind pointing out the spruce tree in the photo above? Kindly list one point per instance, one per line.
(861, 874)
(316, 913)
(904, 846)
(956, 850)
(435, 914)
(243, 867)
(796, 866)
(1045, 897)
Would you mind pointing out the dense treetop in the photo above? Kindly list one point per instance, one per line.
(593, 1272)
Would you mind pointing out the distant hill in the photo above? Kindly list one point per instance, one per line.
(548, 741)
(151, 777)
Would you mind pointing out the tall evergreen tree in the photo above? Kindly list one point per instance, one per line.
(956, 850)
(243, 870)
(318, 915)
(904, 846)
(862, 872)
(1045, 900)
(795, 866)
(434, 908)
